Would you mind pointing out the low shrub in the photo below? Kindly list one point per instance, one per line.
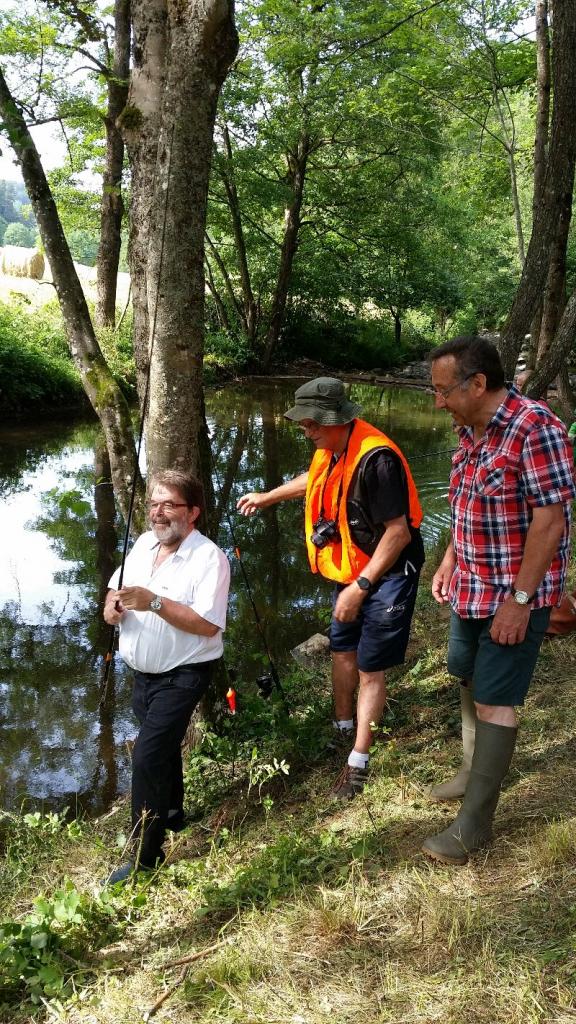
(350, 342)
(37, 374)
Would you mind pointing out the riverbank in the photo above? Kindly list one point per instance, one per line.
(307, 912)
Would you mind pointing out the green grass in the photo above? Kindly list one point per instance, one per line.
(37, 374)
(328, 913)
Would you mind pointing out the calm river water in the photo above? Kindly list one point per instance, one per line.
(58, 546)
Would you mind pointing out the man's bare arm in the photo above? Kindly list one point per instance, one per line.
(542, 540)
(252, 502)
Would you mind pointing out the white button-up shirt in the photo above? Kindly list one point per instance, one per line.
(197, 575)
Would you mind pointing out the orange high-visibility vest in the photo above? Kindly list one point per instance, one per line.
(326, 493)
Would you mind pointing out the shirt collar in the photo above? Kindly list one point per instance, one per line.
(186, 547)
(504, 413)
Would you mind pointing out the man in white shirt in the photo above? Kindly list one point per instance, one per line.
(171, 611)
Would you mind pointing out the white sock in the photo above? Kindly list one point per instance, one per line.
(344, 724)
(358, 760)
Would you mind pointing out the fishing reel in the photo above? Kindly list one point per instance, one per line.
(265, 685)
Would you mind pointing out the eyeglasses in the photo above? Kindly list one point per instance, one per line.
(168, 506)
(444, 392)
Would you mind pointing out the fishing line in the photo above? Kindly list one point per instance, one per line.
(257, 619)
(144, 412)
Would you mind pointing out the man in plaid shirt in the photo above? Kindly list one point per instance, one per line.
(511, 489)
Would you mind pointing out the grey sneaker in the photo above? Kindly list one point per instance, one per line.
(349, 783)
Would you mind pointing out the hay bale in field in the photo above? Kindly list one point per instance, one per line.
(19, 262)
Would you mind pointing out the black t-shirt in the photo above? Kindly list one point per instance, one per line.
(377, 494)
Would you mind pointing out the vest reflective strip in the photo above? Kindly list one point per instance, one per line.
(343, 561)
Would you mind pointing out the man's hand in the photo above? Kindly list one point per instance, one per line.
(135, 599)
(442, 576)
(348, 603)
(113, 608)
(510, 623)
(248, 504)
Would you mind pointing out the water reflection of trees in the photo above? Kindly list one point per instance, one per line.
(23, 449)
(255, 449)
(56, 739)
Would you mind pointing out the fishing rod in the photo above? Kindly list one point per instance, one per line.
(428, 455)
(259, 625)
(144, 412)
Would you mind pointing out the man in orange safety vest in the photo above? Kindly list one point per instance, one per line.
(362, 519)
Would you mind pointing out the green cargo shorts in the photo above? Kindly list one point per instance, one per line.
(500, 674)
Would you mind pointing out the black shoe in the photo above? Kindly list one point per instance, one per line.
(177, 821)
(349, 783)
(121, 874)
(129, 870)
(341, 742)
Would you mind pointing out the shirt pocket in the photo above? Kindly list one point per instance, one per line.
(494, 476)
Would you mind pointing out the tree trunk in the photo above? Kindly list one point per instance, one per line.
(106, 538)
(557, 354)
(112, 206)
(540, 146)
(139, 123)
(555, 292)
(565, 396)
(557, 187)
(199, 42)
(105, 396)
(397, 330)
(542, 101)
(250, 309)
(297, 164)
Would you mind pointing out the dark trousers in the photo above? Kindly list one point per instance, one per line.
(163, 704)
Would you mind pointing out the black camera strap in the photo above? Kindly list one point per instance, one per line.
(331, 467)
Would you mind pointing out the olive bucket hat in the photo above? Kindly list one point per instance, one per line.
(324, 401)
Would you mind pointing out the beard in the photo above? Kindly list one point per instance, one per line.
(168, 533)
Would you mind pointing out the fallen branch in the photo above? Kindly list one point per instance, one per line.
(187, 960)
(162, 999)
(196, 956)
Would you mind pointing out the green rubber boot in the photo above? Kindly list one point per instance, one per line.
(456, 787)
(472, 828)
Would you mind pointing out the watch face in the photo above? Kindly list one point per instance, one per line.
(363, 583)
(156, 604)
(521, 597)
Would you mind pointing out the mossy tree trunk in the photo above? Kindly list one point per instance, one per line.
(112, 205)
(553, 197)
(105, 396)
(182, 53)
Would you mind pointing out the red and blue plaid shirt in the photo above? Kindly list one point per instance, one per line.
(522, 462)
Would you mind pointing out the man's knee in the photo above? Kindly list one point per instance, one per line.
(344, 659)
(373, 680)
(498, 714)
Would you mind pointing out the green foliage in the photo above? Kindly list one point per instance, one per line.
(83, 246)
(37, 955)
(36, 372)
(19, 234)
(347, 341)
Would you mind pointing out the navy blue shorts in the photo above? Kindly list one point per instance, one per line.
(380, 633)
(500, 673)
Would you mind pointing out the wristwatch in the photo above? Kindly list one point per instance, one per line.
(521, 597)
(363, 583)
(155, 603)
